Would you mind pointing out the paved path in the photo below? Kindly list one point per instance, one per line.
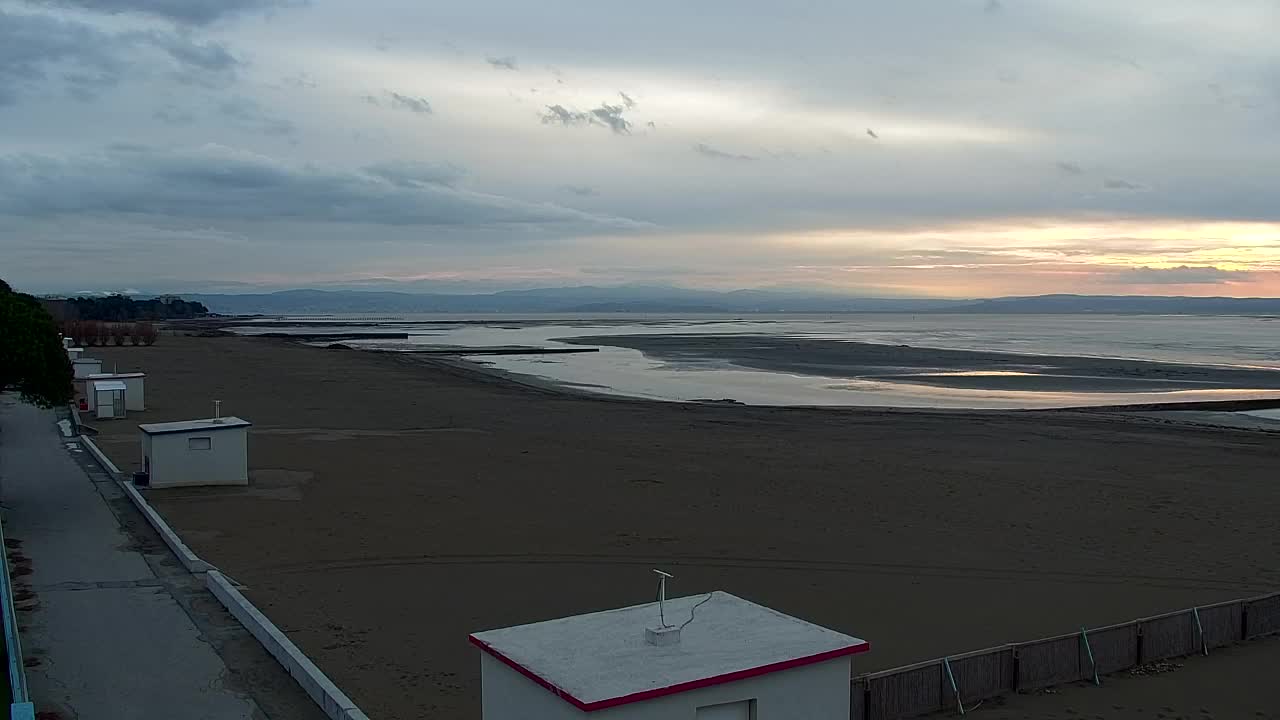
(120, 631)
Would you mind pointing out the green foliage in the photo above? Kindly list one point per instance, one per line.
(32, 359)
(121, 308)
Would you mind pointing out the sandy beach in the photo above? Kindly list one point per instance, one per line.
(398, 503)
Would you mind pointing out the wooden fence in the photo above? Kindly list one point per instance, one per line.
(961, 681)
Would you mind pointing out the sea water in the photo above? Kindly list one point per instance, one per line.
(1241, 341)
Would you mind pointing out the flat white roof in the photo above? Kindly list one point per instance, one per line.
(87, 360)
(601, 660)
(108, 385)
(183, 426)
(108, 376)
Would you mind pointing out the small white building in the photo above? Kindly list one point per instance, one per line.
(714, 657)
(68, 342)
(85, 366)
(135, 388)
(196, 452)
(74, 353)
(108, 400)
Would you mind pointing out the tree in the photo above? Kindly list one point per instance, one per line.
(148, 333)
(32, 359)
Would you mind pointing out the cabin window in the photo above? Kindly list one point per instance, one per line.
(200, 443)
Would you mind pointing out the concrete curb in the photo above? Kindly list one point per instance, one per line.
(102, 459)
(325, 694)
(189, 560)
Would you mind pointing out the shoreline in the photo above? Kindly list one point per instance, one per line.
(940, 367)
(485, 372)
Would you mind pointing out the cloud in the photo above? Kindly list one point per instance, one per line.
(412, 104)
(215, 182)
(88, 59)
(607, 115)
(415, 174)
(627, 100)
(580, 190)
(1180, 275)
(993, 7)
(249, 115)
(559, 114)
(503, 63)
(187, 12)
(1068, 168)
(173, 115)
(611, 115)
(1117, 184)
(300, 81)
(708, 151)
(210, 56)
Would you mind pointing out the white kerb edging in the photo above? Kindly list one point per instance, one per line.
(102, 459)
(189, 559)
(325, 694)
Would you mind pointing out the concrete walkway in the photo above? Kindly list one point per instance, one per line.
(112, 626)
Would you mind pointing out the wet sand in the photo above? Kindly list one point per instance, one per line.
(398, 503)
(940, 368)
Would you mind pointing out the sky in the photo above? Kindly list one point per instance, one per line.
(925, 148)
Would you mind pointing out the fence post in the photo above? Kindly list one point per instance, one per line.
(1084, 635)
(946, 663)
(1195, 611)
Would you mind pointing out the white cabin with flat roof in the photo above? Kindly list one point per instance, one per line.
(108, 399)
(135, 389)
(196, 452)
(86, 366)
(714, 657)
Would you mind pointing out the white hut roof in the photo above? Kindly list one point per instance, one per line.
(184, 426)
(602, 660)
(101, 385)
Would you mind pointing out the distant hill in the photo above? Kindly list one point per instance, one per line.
(1124, 305)
(650, 307)
(658, 300)
(636, 299)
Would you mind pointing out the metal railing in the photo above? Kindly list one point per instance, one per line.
(20, 707)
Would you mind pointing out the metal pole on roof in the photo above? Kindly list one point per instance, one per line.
(217, 409)
(662, 596)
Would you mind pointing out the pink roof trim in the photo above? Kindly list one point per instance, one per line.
(670, 689)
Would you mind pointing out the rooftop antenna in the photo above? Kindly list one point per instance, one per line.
(662, 595)
(217, 411)
(664, 634)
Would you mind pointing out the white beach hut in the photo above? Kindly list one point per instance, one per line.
(84, 367)
(74, 353)
(705, 657)
(135, 389)
(108, 399)
(213, 451)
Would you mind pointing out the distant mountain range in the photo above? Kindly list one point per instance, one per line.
(660, 300)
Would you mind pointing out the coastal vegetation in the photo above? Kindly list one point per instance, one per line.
(32, 359)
